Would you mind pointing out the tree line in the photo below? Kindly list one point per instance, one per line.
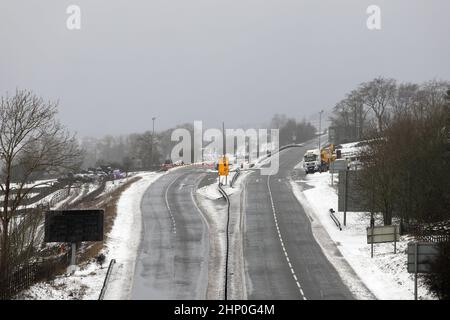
(405, 158)
(404, 125)
(141, 151)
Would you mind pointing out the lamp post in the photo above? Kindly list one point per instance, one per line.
(151, 149)
(320, 126)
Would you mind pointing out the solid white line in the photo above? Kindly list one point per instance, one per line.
(281, 240)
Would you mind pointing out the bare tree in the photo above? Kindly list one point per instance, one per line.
(32, 142)
(403, 99)
(430, 98)
(378, 95)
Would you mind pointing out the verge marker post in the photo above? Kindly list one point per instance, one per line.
(415, 271)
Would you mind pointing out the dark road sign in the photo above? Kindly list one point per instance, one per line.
(425, 255)
(74, 225)
(354, 200)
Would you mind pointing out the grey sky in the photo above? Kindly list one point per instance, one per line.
(235, 60)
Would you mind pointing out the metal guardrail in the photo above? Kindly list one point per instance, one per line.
(225, 196)
(335, 219)
(105, 282)
(267, 156)
(235, 176)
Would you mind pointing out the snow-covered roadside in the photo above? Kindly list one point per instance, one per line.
(123, 240)
(122, 244)
(385, 275)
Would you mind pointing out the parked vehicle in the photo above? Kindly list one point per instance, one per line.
(311, 161)
(167, 165)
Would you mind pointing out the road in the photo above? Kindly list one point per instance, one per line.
(172, 262)
(282, 258)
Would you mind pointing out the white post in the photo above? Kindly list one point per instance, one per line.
(73, 255)
(395, 239)
(415, 271)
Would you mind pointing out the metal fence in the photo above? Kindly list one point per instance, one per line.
(429, 234)
(25, 275)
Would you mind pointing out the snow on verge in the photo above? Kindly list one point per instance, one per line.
(385, 275)
(124, 238)
(122, 244)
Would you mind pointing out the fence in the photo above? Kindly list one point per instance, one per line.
(28, 274)
(59, 196)
(429, 234)
(90, 196)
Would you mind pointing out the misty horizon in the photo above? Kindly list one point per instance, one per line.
(238, 62)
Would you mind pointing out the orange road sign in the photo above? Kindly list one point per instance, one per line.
(223, 166)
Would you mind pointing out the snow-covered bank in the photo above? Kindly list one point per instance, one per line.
(124, 238)
(121, 244)
(385, 275)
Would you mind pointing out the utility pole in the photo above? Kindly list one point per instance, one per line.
(224, 148)
(320, 126)
(223, 139)
(151, 149)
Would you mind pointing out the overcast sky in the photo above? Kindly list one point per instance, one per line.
(239, 61)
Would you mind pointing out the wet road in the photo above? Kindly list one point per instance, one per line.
(172, 262)
(282, 258)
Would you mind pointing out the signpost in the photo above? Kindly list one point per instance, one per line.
(420, 257)
(74, 226)
(223, 168)
(336, 166)
(351, 197)
(383, 234)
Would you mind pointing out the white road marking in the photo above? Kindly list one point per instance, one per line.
(174, 224)
(281, 241)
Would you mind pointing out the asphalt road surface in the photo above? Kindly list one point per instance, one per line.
(282, 258)
(172, 262)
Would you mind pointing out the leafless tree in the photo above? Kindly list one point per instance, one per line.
(405, 164)
(429, 99)
(404, 99)
(378, 95)
(32, 142)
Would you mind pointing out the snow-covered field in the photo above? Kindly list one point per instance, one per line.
(385, 275)
(121, 244)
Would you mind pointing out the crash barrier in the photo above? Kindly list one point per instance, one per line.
(105, 282)
(225, 196)
(235, 176)
(335, 219)
(280, 149)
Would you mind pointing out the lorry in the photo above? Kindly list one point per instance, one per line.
(312, 161)
(318, 161)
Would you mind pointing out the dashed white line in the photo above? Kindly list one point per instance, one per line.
(174, 224)
(281, 241)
